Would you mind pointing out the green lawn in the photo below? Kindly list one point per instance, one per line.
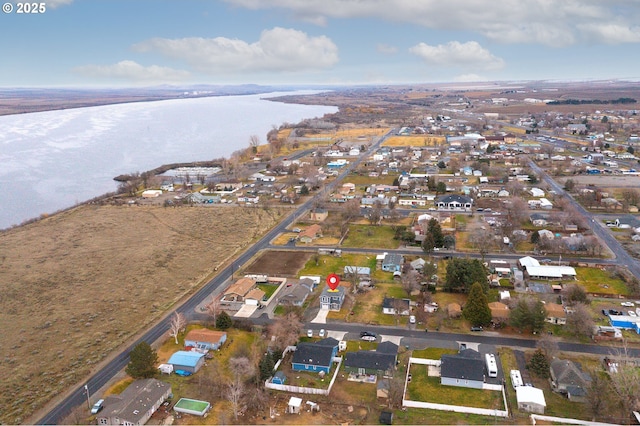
(596, 280)
(368, 306)
(268, 289)
(429, 389)
(365, 180)
(331, 264)
(369, 236)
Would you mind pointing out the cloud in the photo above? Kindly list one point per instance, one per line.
(611, 33)
(278, 49)
(130, 70)
(469, 78)
(57, 3)
(547, 22)
(386, 49)
(456, 54)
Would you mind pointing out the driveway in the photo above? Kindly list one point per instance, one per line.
(321, 318)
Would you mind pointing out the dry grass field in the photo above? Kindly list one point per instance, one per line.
(77, 285)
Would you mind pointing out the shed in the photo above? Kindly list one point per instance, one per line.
(530, 399)
(294, 405)
(187, 360)
(279, 378)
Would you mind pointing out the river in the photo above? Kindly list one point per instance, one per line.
(54, 159)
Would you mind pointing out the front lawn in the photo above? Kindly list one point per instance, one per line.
(428, 389)
(268, 289)
(368, 306)
(331, 264)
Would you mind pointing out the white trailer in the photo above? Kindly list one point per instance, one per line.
(516, 378)
(492, 367)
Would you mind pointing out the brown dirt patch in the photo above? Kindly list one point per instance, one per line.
(77, 285)
(279, 263)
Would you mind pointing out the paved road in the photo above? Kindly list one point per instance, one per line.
(99, 379)
(623, 258)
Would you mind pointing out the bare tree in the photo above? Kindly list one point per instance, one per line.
(410, 279)
(549, 346)
(375, 213)
(213, 309)
(177, 325)
(235, 395)
(395, 390)
(625, 383)
(286, 330)
(254, 141)
(241, 367)
(597, 392)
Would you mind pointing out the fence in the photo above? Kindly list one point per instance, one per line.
(302, 389)
(446, 407)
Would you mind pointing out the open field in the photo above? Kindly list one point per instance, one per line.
(278, 263)
(367, 236)
(603, 181)
(350, 134)
(414, 140)
(79, 284)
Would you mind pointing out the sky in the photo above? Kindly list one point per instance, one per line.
(122, 43)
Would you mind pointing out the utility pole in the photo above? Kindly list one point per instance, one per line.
(86, 389)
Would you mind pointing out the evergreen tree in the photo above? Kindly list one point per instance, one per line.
(304, 190)
(142, 362)
(476, 310)
(266, 367)
(528, 313)
(538, 364)
(223, 321)
(535, 237)
(428, 244)
(538, 315)
(462, 273)
(441, 188)
(434, 229)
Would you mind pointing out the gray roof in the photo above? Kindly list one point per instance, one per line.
(387, 348)
(372, 360)
(135, 401)
(455, 197)
(393, 303)
(569, 373)
(393, 259)
(313, 354)
(462, 366)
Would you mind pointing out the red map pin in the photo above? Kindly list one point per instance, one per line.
(332, 281)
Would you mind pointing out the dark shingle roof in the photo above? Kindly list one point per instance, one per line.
(387, 348)
(459, 367)
(313, 354)
(370, 359)
(393, 303)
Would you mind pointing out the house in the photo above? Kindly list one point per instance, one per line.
(545, 204)
(392, 262)
(254, 297)
(205, 339)
(499, 312)
(296, 294)
(316, 356)
(454, 202)
(332, 299)
(464, 369)
(555, 314)
(539, 219)
(628, 222)
(530, 399)
(360, 271)
(568, 378)
(190, 361)
(279, 378)
(392, 306)
(418, 264)
(237, 292)
(311, 233)
(369, 365)
(536, 192)
(136, 404)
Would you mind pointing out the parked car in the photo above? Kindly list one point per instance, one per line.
(322, 333)
(476, 328)
(614, 312)
(627, 304)
(183, 373)
(97, 406)
(368, 336)
(632, 314)
(309, 333)
(412, 319)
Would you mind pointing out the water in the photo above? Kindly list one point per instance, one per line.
(55, 159)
